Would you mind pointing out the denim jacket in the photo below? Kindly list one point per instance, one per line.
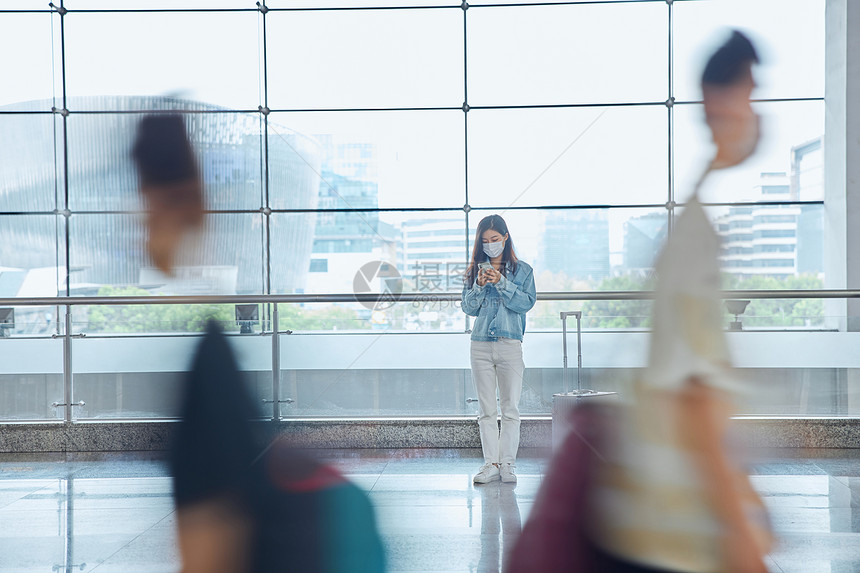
(501, 308)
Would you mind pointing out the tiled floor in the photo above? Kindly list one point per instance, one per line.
(114, 513)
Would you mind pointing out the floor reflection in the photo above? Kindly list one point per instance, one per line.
(115, 514)
(500, 524)
(60, 517)
(66, 524)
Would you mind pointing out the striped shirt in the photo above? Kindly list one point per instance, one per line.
(649, 501)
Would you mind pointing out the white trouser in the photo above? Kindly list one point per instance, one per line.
(498, 364)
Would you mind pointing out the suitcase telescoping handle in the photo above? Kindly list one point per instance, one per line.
(563, 316)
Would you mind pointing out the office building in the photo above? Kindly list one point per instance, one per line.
(575, 243)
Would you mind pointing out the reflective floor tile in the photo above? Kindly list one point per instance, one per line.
(816, 520)
(154, 550)
(119, 512)
(363, 481)
(437, 553)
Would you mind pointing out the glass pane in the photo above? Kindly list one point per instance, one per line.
(27, 66)
(612, 250)
(435, 251)
(31, 373)
(340, 374)
(368, 159)
(542, 383)
(103, 320)
(432, 313)
(340, 316)
(295, 161)
(118, 378)
(108, 257)
(568, 54)
(292, 238)
(353, 373)
(31, 163)
(781, 314)
(393, 375)
(798, 392)
(25, 5)
(32, 255)
(773, 247)
(114, 380)
(371, 374)
(794, 372)
(358, 3)
(202, 57)
(346, 246)
(586, 249)
(28, 321)
(365, 58)
(334, 247)
(596, 314)
(376, 392)
(791, 152)
(479, 3)
(790, 46)
(102, 175)
(157, 4)
(536, 157)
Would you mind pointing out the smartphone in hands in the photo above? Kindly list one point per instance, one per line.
(484, 268)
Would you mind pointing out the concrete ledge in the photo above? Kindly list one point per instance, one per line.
(799, 432)
(85, 437)
(424, 433)
(116, 436)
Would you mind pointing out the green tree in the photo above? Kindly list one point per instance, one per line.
(153, 317)
(193, 317)
(331, 317)
(545, 314)
(619, 313)
(779, 312)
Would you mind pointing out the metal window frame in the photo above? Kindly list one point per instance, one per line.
(63, 212)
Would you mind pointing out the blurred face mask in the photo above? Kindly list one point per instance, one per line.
(493, 250)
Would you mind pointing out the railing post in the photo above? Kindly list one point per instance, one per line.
(67, 367)
(276, 366)
(564, 349)
(579, 351)
(563, 315)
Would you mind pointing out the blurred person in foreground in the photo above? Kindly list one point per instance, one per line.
(242, 505)
(670, 495)
(664, 492)
(170, 185)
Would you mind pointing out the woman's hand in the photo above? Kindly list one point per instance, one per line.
(482, 278)
(493, 276)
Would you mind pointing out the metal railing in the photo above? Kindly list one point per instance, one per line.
(403, 297)
(69, 302)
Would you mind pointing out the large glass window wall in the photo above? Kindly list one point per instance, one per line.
(352, 147)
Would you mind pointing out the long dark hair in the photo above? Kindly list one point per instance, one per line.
(509, 258)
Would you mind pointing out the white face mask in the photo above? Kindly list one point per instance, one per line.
(493, 250)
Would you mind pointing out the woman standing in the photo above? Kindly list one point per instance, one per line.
(499, 290)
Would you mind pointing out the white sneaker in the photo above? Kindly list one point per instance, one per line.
(487, 473)
(508, 473)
